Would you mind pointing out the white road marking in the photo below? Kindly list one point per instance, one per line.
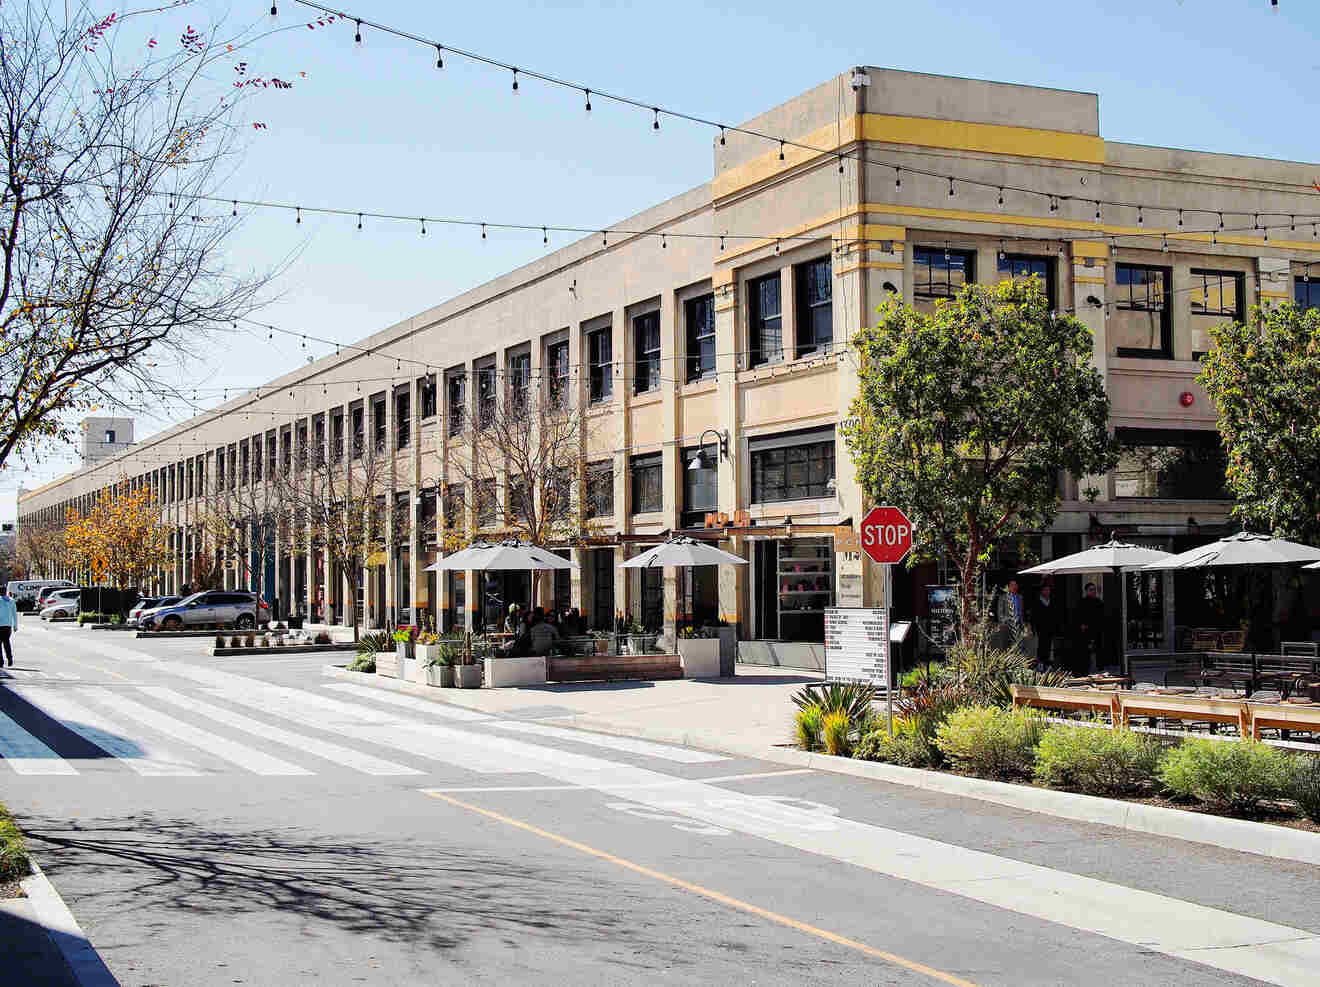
(254, 760)
(26, 754)
(586, 788)
(113, 738)
(443, 710)
(682, 755)
(346, 756)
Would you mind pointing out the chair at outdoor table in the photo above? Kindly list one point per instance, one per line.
(1232, 640)
(1284, 672)
(1233, 671)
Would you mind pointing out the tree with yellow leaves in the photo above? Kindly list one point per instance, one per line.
(120, 540)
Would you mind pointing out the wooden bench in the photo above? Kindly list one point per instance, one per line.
(613, 668)
(1218, 668)
(1283, 672)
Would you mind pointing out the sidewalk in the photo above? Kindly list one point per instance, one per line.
(752, 709)
(42, 944)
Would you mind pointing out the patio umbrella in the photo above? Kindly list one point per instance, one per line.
(1241, 549)
(1116, 556)
(506, 555)
(683, 551)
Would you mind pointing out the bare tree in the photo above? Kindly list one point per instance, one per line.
(240, 521)
(110, 230)
(40, 548)
(336, 508)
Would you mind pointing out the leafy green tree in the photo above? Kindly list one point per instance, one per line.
(1264, 378)
(966, 416)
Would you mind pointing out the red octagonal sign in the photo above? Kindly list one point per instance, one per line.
(886, 535)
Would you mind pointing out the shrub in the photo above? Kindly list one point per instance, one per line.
(990, 741)
(370, 644)
(1097, 761)
(363, 663)
(851, 698)
(904, 746)
(323, 637)
(1234, 776)
(836, 729)
(1306, 787)
(13, 854)
(810, 724)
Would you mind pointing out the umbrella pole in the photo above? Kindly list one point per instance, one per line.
(1122, 637)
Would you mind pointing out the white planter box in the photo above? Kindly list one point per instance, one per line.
(700, 657)
(441, 676)
(468, 676)
(423, 654)
(504, 672)
(408, 669)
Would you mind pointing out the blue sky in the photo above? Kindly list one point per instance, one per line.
(382, 129)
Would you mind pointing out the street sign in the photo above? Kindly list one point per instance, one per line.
(886, 535)
(857, 645)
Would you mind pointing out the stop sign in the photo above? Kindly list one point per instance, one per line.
(886, 535)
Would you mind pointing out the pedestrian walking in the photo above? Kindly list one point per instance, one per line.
(8, 625)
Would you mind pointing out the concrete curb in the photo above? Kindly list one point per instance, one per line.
(83, 960)
(1242, 835)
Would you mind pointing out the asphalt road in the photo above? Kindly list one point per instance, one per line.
(249, 821)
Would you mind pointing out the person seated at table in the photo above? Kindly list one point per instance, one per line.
(571, 624)
(513, 624)
(542, 633)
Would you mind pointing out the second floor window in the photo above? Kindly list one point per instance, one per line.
(403, 419)
(485, 396)
(600, 349)
(940, 273)
(1306, 293)
(245, 464)
(378, 425)
(815, 306)
(426, 395)
(520, 379)
(359, 433)
(600, 489)
(699, 317)
(556, 358)
(765, 332)
(318, 440)
(302, 446)
(337, 438)
(1023, 266)
(648, 494)
(1142, 324)
(646, 339)
(457, 403)
(1216, 297)
(793, 466)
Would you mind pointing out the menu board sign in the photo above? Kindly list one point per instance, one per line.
(857, 645)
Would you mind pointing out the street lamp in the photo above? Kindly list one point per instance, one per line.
(699, 460)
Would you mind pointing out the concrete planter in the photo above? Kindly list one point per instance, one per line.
(468, 676)
(387, 664)
(404, 649)
(700, 657)
(728, 650)
(441, 676)
(504, 672)
(408, 669)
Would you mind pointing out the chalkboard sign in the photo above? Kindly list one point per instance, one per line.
(857, 645)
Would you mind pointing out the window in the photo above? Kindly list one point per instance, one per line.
(765, 332)
(457, 402)
(940, 273)
(1170, 464)
(600, 489)
(402, 419)
(600, 346)
(1306, 292)
(109, 436)
(455, 506)
(699, 317)
(1216, 297)
(700, 488)
(793, 466)
(1023, 266)
(302, 445)
(814, 285)
(1142, 324)
(244, 464)
(232, 456)
(426, 514)
(488, 503)
(318, 440)
(520, 499)
(646, 336)
(270, 453)
(485, 395)
(426, 395)
(556, 361)
(337, 437)
(647, 483)
(520, 378)
(378, 425)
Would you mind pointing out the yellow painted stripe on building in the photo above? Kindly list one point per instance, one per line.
(987, 138)
(767, 165)
(822, 223)
(868, 265)
(1089, 248)
(1077, 280)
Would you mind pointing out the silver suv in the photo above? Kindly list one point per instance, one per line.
(222, 608)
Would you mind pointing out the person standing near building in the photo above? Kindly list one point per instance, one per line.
(1045, 619)
(1008, 611)
(1090, 631)
(8, 625)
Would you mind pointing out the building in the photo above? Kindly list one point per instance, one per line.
(101, 438)
(670, 338)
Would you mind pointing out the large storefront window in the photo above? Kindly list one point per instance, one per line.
(1170, 464)
(792, 466)
(794, 584)
(700, 488)
(457, 587)
(602, 588)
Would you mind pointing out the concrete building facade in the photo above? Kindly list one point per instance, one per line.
(670, 338)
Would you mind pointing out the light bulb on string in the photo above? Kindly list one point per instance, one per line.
(515, 80)
(840, 164)
(545, 235)
(1141, 216)
(439, 57)
(721, 241)
(1097, 212)
(483, 231)
(781, 150)
(1292, 224)
(898, 178)
(234, 208)
(423, 222)
(950, 188)
(1001, 196)
(587, 93)
(357, 35)
(273, 11)
(297, 214)
(1054, 204)
(1221, 220)
(1164, 245)
(663, 242)
(1180, 219)
(359, 221)
(655, 123)
(1267, 234)
(721, 137)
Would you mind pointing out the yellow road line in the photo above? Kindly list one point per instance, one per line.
(723, 899)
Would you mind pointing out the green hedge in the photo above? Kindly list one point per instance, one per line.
(1097, 760)
(13, 854)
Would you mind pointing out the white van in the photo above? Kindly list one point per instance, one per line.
(24, 591)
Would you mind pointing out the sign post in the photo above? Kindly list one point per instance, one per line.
(886, 535)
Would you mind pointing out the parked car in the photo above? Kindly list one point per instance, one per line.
(24, 591)
(150, 604)
(223, 608)
(61, 603)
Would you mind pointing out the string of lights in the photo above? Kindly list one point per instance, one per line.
(657, 111)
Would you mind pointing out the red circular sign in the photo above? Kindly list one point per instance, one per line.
(886, 535)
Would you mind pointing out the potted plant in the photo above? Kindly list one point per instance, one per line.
(468, 673)
(403, 650)
(440, 664)
(426, 648)
(699, 653)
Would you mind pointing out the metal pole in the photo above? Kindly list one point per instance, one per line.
(889, 657)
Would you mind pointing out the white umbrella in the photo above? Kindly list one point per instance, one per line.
(1241, 549)
(505, 555)
(1115, 556)
(683, 551)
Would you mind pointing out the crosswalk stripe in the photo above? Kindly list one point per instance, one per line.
(254, 760)
(26, 754)
(346, 756)
(682, 755)
(110, 736)
(409, 702)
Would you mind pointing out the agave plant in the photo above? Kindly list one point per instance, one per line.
(377, 641)
(851, 698)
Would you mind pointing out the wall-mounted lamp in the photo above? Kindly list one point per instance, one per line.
(699, 460)
(788, 527)
(889, 287)
(1093, 301)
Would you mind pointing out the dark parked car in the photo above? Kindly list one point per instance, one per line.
(221, 608)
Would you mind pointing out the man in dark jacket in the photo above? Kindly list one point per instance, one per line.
(1045, 621)
(1090, 631)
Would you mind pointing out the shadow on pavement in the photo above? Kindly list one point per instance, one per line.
(30, 957)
